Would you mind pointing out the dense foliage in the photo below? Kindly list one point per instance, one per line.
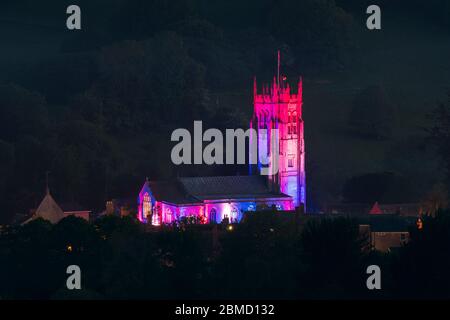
(266, 256)
(98, 114)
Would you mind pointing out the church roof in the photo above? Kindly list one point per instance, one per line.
(171, 191)
(197, 189)
(375, 209)
(235, 187)
(49, 210)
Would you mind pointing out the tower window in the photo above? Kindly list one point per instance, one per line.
(294, 128)
(293, 121)
(291, 162)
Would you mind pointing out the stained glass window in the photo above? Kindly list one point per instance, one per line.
(146, 207)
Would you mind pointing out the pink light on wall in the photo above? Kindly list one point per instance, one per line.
(156, 214)
(276, 107)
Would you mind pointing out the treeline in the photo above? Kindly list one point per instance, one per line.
(98, 112)
(262, 258)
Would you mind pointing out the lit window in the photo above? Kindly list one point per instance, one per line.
(293, 121)
(213, 216)
(156, 219)
(234, 214)
(169, 215)
(146, 207)
(419, 224)
(291, 162)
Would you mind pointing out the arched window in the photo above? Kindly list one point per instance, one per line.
(156, 218)
(213, 216)
(294, 123)
(234, 214)
(289, 123)
(169, 215)
(146, 207)
(291, 160)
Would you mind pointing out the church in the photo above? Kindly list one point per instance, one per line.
(51, 211)
(226, 198)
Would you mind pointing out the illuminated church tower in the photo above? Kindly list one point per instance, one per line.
(277, 108)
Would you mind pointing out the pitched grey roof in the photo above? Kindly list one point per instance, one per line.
(171, 191)
(48, 210)
(223, 187)
(197, 189)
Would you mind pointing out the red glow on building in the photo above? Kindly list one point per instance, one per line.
(276, 107)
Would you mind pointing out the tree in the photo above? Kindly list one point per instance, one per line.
(24, 127)
(332, 251)
(85, 156)
(6, 169)
(143, 84)
(372, 114)
(439, 135)
(257, 259)
(76, 233)
(20, 249)
(435, 199)
(406, 156)
(299, 24)
(421, 269)
(23, 112)
(383, 187)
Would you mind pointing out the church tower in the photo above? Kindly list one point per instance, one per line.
(276, 107)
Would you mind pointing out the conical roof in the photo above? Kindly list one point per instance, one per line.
(49, 210)
(376, 209)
